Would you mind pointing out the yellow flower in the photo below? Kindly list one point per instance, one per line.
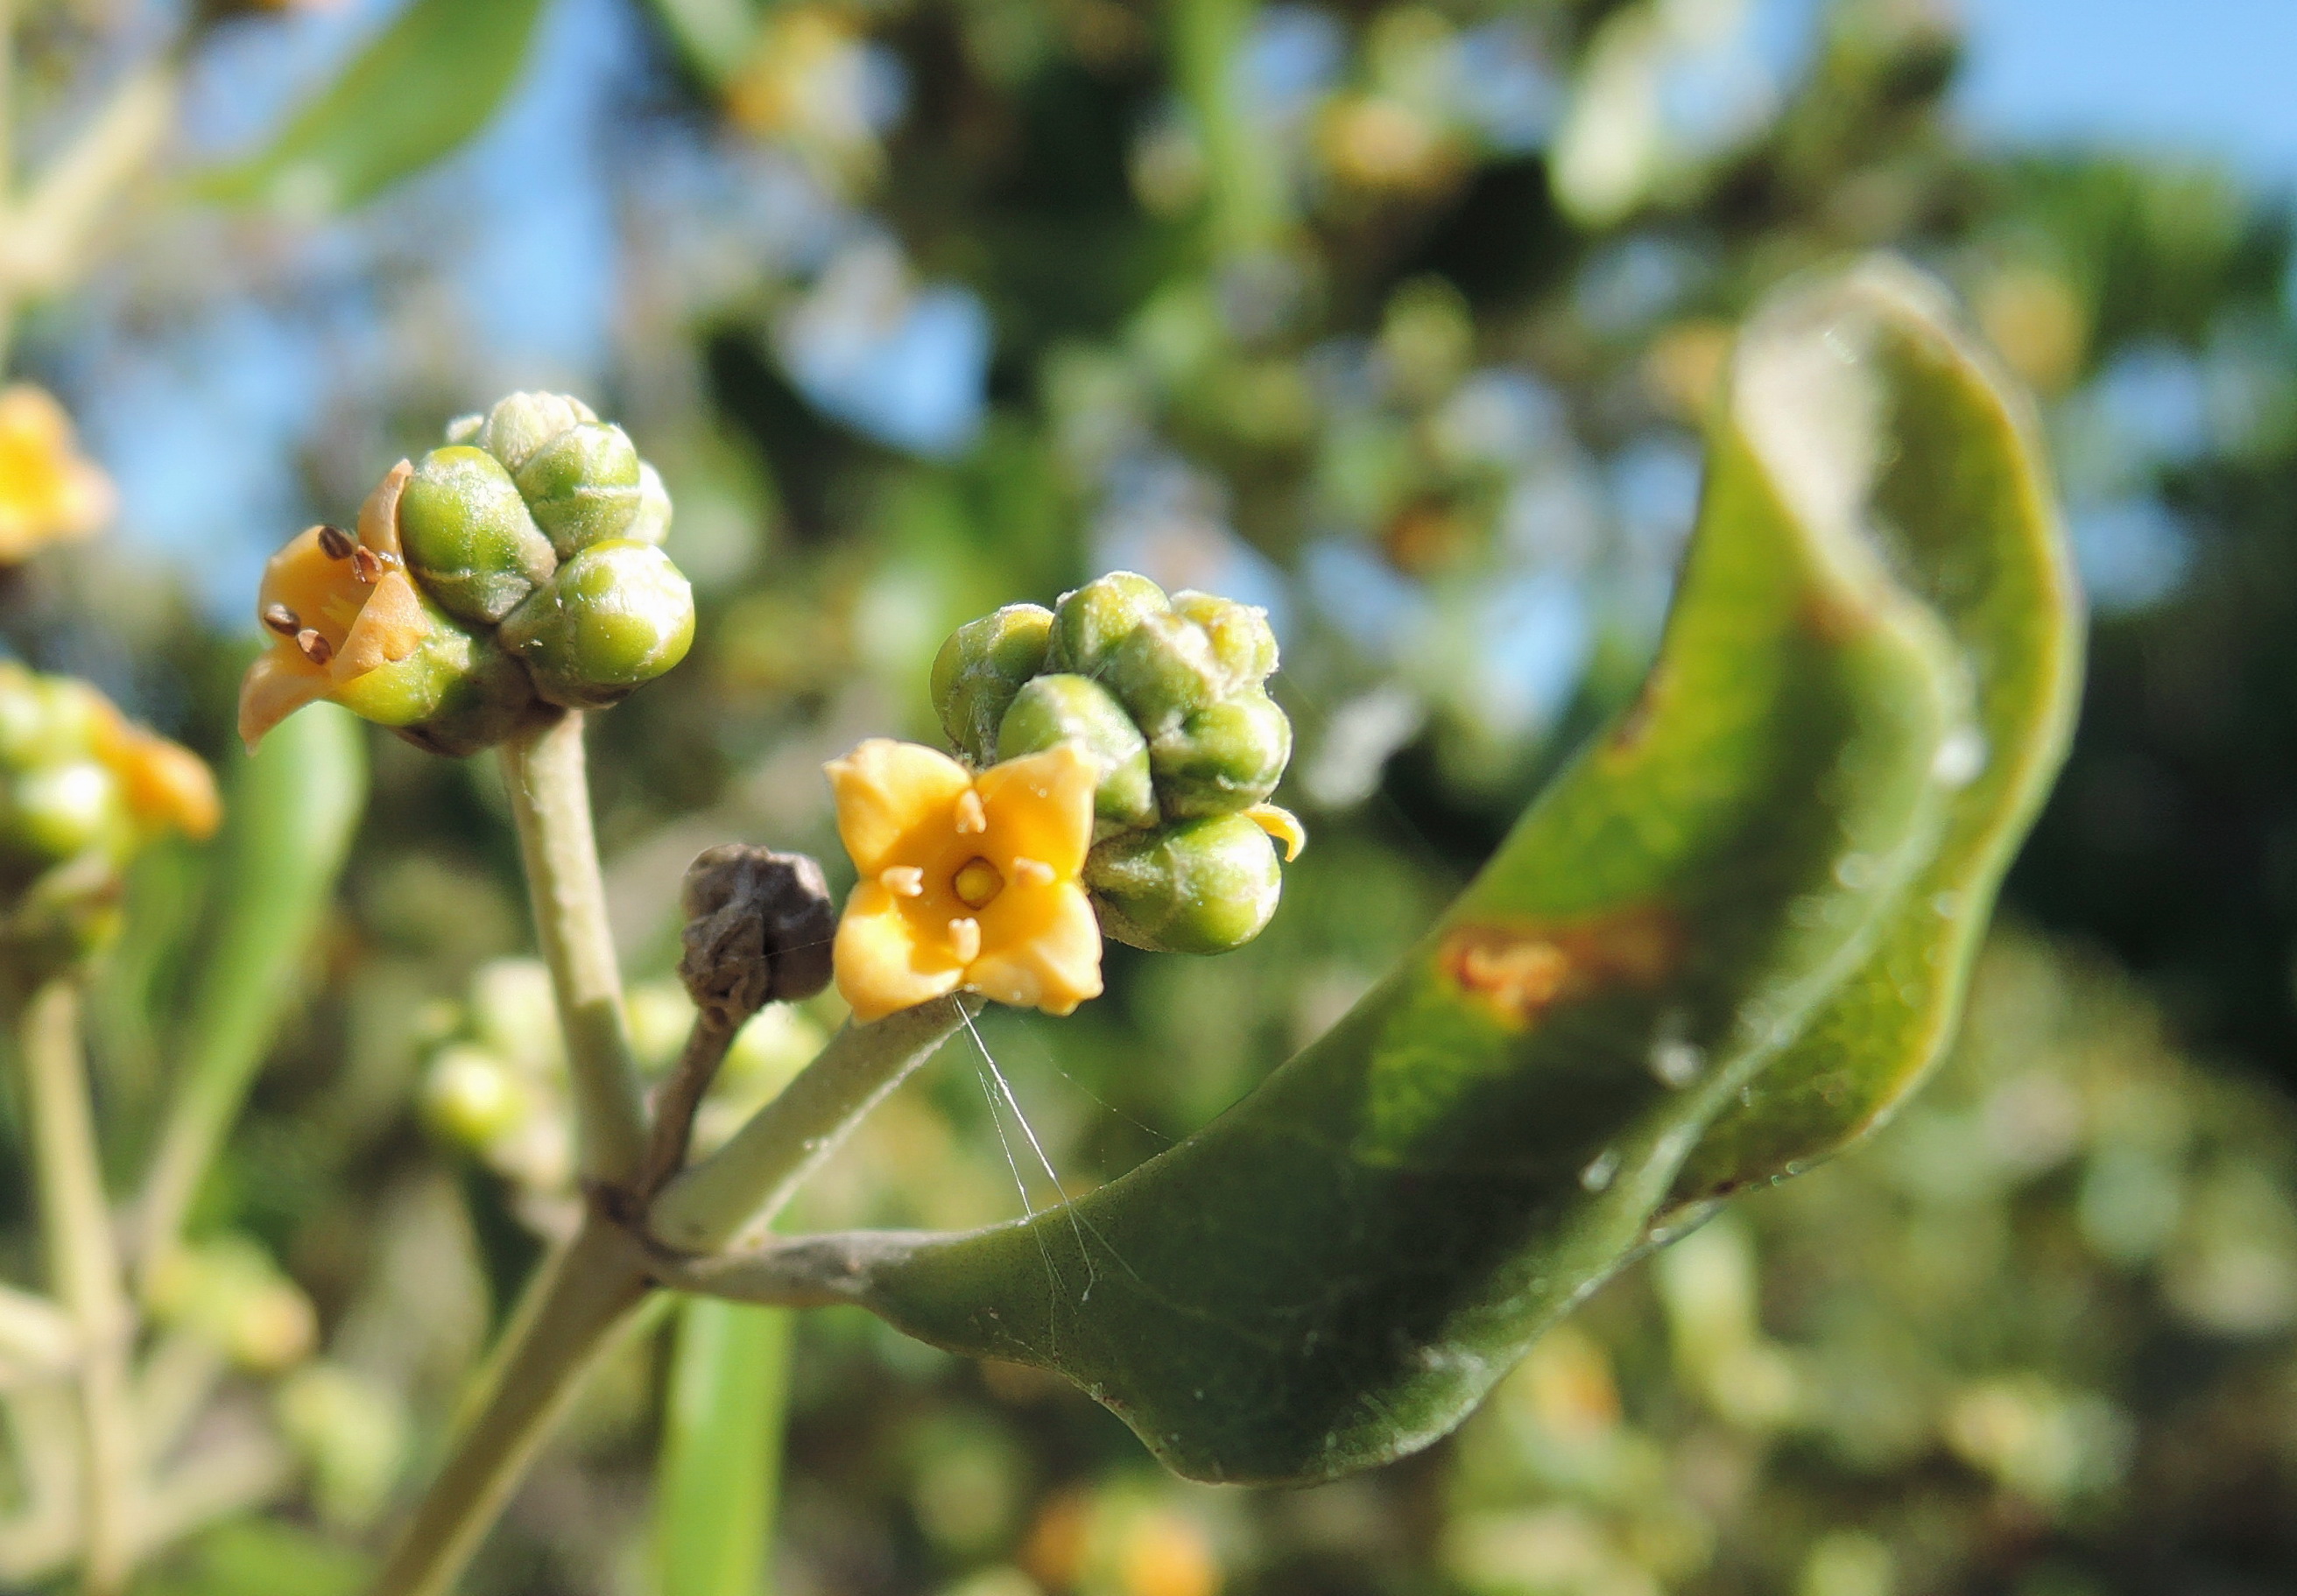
(48, 491)
(967, 881)
(167, 786)
(807, 84)
(337, 609)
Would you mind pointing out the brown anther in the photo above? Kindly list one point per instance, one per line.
(282, 619)
(367, 565)
(316, 649)
(336, 543)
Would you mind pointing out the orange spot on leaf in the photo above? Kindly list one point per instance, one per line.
(1520, 972)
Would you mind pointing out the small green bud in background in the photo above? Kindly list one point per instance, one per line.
(472, 1097)
(611, 619)
(1052, 710)
(1223, 758)
(1092, 623)
(582, 486)
(1199, 887)
(226, 1291)
(980, 668)
(61, 810)
(352, 1429)
(520, 423)
(468, 538)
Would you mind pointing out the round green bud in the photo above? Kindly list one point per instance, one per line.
(1092, 623)
(1052, 710)
(582, 486)
(520, 423)
(410, 691)
(612, 619)
(487, 701)
(980, 668)
(1199, 887)
(1223, 758)
(59, 810)
(1165, 672)
(651, 524)
(1241, 640)
(471, 1097)
(468, 538)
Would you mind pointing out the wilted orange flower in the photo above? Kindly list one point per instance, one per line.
(967, 881)
(337, 609)
(49, 492)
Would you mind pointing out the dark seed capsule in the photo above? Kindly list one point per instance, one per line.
(336, 543)
(282, 619)
(316, 649)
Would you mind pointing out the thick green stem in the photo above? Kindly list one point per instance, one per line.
(1243, 185)
(744, 1184)
(550, 796)
(590, 1292)
(84, 1263)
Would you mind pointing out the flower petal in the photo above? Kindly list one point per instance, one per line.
(280, 682)
(1040, 806)
(883, 965)
(390, 625)
(378, 517)
(888, 792)
(1041, 949)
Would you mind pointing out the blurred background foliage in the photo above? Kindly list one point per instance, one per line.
(1398, 319)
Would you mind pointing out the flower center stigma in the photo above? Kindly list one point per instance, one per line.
(976, 881)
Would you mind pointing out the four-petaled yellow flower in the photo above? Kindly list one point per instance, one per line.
(967, 881)
(48, 491)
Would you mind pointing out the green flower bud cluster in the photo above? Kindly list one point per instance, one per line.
(1169, 694)
(495, 1077)
(81, 791)
(537, 531)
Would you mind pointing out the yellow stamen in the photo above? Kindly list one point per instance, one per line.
(972, 820)
(903, 881)
(977, 883)
(1033, 872)
(964, 939)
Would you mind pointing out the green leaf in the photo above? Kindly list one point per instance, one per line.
(419, 89)
(721, 1449)
(290, 808)
(1965, 516)
(1692, 919)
